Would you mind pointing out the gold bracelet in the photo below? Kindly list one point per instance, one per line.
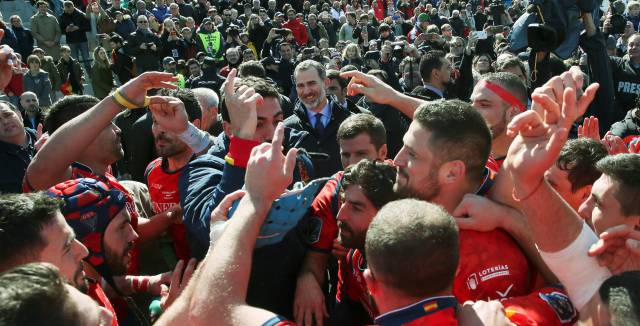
(126, 103)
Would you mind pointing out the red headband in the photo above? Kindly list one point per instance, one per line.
(503, 94)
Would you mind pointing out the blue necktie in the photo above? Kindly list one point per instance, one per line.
(319, 127)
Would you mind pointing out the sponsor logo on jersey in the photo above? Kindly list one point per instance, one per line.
(472, 281)
(312, 229)
(493, 272)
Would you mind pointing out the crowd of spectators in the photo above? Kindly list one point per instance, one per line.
(319, 162)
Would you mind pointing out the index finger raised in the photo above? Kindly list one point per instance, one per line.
(228, 86)
(278, 137)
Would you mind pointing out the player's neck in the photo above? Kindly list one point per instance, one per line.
(95, 165)
(500, 145)
(178, 161)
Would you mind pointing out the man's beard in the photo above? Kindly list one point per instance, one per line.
(114, 260)
(498, 129)
(79, 280)
(316, 102)
(169, 149)
(427, 191)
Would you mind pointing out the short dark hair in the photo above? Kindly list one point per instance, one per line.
(186, 95)
(375, 178)
(430, 61)
(579, 157)
(357, 124)
(22, 219)
(39, 3)
(117, 39)
(260, 85)
(311, 64)
(251, 68)
(333, 74)
(458, 132)
(68, 108)
(34, 294)
(192, 61)
(508, 62)
(621, 294)
(33, 58)
(412, 246)
(511, 83)
(624, 169)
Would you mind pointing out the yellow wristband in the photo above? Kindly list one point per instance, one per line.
(126, 103)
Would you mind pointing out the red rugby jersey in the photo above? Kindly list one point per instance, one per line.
(96, 293)
(163, 189)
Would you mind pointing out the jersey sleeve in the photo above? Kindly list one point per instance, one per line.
(323, 211)
(547, 306)
(278, 321)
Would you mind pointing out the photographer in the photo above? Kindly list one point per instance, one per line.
(271, 45)
(172, 43)
(145, 46)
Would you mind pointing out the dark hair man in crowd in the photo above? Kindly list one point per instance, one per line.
(17, 148)
(361, 137)
(34, 230)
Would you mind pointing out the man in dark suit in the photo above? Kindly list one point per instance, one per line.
(319, 115)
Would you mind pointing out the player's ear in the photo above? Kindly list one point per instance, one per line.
(371, 281)
(197, 123)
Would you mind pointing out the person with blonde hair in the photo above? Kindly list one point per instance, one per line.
(351, 56)
(101, 77)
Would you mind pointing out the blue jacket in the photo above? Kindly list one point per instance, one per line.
(203, 184)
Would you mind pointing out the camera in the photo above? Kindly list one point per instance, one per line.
(398, 49)
(542, 37)
(233, 31)
(280, 31)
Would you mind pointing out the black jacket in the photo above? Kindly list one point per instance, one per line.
(15, 160)
(630, 126)
(325, 144)
(147, 59)
(209, 79)
(24, 42)
(77, 18)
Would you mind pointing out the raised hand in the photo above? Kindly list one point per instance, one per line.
(542, 133)
(590, 128)
(241, 105)
(179, 281)
(41, 137)
(614, 144)
(269, 172)
(370, 86)
(169, 113)
(618, 249)
(136, 89)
